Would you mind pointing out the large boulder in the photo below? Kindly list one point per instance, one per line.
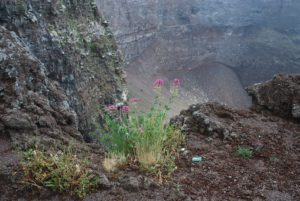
(281, 95)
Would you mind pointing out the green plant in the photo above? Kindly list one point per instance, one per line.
(178, 187)
(144, 137)
(21, 7)
(61, 171)
(273, 158)
(246, 153)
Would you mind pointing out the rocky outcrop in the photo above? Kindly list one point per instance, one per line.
(211, 119)
(281, 95)
(59, 64)
(33, 107)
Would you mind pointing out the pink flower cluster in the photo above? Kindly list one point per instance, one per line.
(113, 108)
(176, 83)
(125, 108)
(134, 100)
(158, 83)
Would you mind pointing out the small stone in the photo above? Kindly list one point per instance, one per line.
(209, 129)
(227, 146)
(186, 152)
(233, 135)
(206, 121)
(17, 121)
(149, 184)
(105, 23)
(296, 111)
(225, 133)
(209, 139)
(104, 182)
(130, 184)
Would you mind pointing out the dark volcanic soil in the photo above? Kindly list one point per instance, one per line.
(273, 173)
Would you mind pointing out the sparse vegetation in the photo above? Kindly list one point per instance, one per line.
(112, 161)
(143, 137)
(246, 153)
(60, 171)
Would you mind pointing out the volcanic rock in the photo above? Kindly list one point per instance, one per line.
(281, 95)
(53, 76)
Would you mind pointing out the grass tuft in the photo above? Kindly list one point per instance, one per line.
(113, 161)
(143, 137)
(60, 171)
(246, 153)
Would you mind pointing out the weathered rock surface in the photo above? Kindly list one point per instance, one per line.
(58, 64)
(34, 109)
(281, 95)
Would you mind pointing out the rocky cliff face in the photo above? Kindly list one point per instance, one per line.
(59, 64)
(196, 39)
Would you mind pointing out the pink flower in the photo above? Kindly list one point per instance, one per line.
(112, 108)
(125, 108)
(176, 83)
(175, 87)
(134, 100)
(158, 83)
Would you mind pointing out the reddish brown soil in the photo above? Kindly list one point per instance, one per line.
(272, 174)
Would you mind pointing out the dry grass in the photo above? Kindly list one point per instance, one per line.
(59, 171)
(148, 157)
(113, 161)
